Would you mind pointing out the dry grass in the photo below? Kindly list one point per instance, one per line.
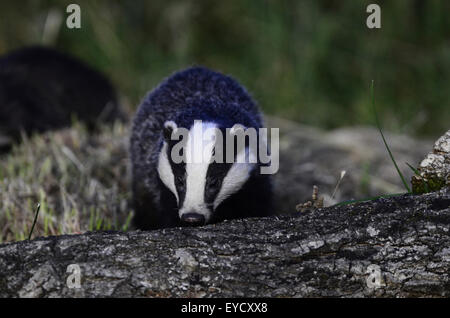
(80, 180)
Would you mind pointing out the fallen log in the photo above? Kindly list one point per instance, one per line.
(389, 247)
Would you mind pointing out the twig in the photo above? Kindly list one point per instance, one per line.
(35, 220)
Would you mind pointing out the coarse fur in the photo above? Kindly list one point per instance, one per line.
(163, 190)
(43, 89)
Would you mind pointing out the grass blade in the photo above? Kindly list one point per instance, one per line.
(384, 140)
(368, 199)
(416, 172)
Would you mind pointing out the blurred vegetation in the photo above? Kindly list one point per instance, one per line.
(311, 61)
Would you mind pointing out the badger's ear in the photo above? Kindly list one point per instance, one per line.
(169, 127)
(237, 128)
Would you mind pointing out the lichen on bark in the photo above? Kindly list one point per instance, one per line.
(434, 170)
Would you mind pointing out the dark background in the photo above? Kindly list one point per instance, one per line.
(310, 61)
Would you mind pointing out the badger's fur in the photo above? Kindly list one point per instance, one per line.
(42, 89)
(168, 194)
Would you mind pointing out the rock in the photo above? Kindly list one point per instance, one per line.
(389, 247)
(434, 170)
(310, 156)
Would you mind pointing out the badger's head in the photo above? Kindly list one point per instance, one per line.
(193, 165)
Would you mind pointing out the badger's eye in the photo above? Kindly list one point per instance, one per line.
(213, 183)
(179, 179)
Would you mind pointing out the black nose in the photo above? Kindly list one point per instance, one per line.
(193, 219)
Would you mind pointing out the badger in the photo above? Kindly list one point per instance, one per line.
(169, 193)
(41, 89)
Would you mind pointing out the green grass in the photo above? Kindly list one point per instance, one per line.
(78, 180)
(369, 199)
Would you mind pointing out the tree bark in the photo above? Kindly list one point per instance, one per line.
(335, 251)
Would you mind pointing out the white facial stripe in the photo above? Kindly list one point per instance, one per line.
(165, 171)
(236, 177)
(200, 152)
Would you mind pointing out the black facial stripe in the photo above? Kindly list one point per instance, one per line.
(179, 172)
(218, 171)
(214, 179)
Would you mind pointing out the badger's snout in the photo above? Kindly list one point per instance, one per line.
(193, 219)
